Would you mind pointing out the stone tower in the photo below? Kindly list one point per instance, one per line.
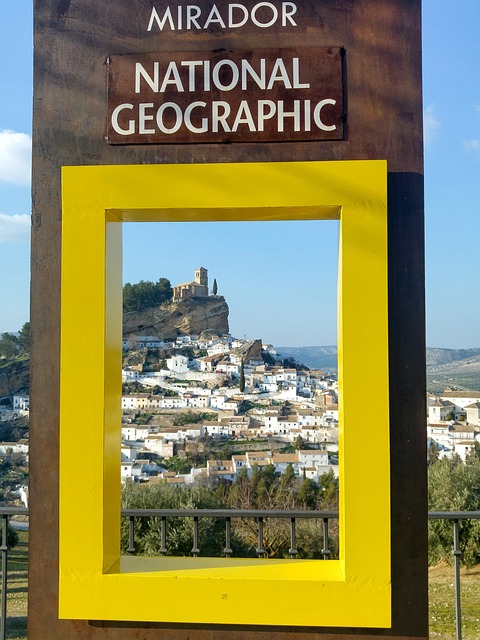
(201, 277)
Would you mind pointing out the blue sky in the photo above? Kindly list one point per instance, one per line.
(281, 287)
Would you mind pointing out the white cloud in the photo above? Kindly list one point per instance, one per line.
(15, 157)
(471, 145)
(431, 124)
(14, 229)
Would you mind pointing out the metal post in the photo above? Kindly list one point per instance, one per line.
(325, 551)
(4, 550)
(293, 551)
(131, 535)
(228, 538)
(195, 549)
(163, 548)
(457, 554)
(260, 548)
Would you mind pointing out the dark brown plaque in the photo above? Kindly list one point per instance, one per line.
(226, 96)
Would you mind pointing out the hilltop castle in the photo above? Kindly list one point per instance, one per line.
(199, 286)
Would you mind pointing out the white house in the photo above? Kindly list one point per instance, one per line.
(441, 410)
(230, 368)
(21, 402)
(464, 447)
(309, 418)
(129, 452)
(440, 434)
(459, 432)
(218, 429)
(221, 470)
(173, 402)
(126, 469)
(282, 460)
(286, 424)
(134, 432)
(177, 363)
(473, 413)
(218, 348)
(197, 401)
(14, 447)
(217, 401)
(208, 363)
(260, 459)
(135, 401)
(154, 442)
(289, 391)
(239, 462)
(231, 405)
(313, 457)
(330, 418)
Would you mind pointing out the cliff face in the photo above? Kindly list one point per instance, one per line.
(184, 317)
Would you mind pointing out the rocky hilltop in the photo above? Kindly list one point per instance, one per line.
(190, 316)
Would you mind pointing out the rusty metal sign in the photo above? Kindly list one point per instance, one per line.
(266, 95)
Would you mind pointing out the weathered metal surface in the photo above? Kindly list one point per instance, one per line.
(383, 44)
(226, 96)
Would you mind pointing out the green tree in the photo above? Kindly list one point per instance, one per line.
(143, 418)
(241, 382)
(9, 345)
(268, 358)
(328, 494)
(193, 417)
(291, 363)
(308, 493)
(261, 491)
(214, 287)
(287, 484)
(146, 294)
(226, 451)
(432, 453)
(177, 464)
(299, 443)
(24, 337)
(286, 408)
(454, 486)
(12, 537)
(473, 456)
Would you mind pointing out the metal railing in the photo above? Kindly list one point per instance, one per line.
(455, 517)
(258, 515)
(227, 514)
(6, 513)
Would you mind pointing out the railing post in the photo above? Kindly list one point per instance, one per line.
(131, 535)
(195, 549)
(163, 540)
(4, 550)
(325, 551)
(293, 551)
(457, 555)
(228, 542)
(260, 548)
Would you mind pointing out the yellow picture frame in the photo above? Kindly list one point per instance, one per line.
(95, 582)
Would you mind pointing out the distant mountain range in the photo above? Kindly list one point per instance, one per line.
(313, 357)
(453, 368)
